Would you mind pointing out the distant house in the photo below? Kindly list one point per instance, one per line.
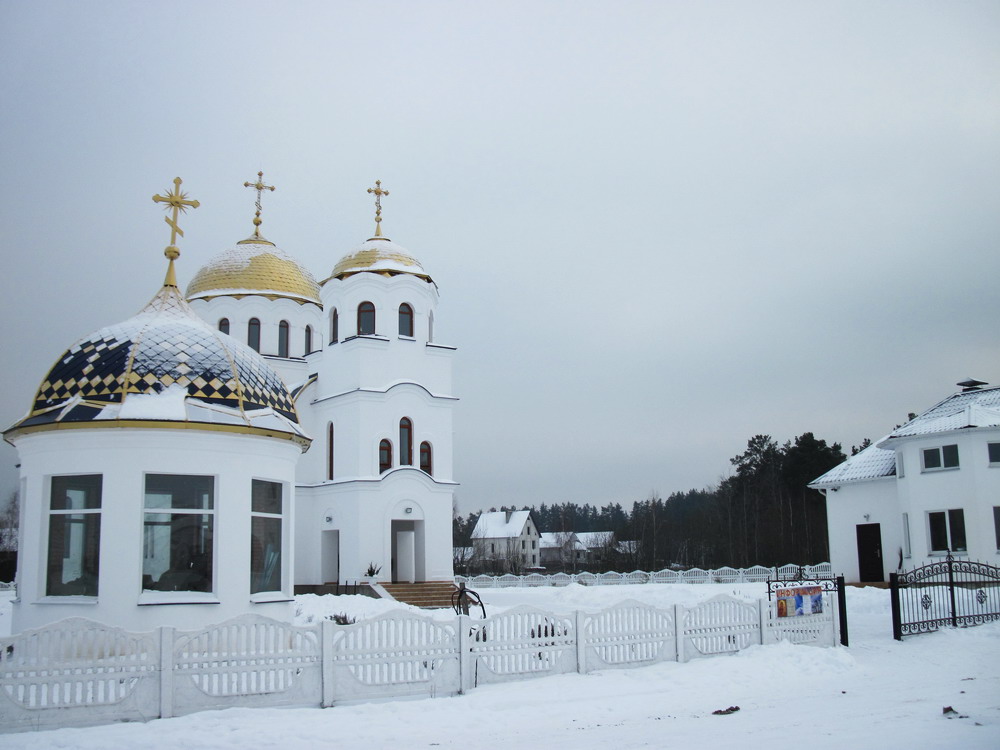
(506, 540)
(600, 545)
(929, 487)
(561, 548)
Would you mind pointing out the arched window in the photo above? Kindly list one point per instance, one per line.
(283, 338)
(430, 326)
(384, 456)
(405, 442)
(426, 461)
(309, 341)
(405, 320)
(366, 318)
(334, 326)
(224, 326)
(253, 334)
(329, 451)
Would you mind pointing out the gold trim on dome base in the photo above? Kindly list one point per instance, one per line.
(301, 441)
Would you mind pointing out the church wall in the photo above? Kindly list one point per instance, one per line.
(270, 313)
(123, 456)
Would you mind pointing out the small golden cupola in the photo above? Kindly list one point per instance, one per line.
(379, 254)
(254, 267)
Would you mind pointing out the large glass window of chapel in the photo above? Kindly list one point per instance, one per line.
(334, 326)
(283, 338)
(178, 532)
(426, 458)
(253, 334)
(366, 319)
(74, 536)
(405, 320)
(224, 326)
(308, 346)
(266, 559)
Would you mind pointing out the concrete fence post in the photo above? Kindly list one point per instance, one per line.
(581, 645)
(326, 662)
(166, 672)
(679, 632)
(763, 611)
(464, 654)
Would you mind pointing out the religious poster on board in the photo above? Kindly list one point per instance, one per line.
(802, 600)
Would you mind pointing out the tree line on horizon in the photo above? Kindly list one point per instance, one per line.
(762, 514)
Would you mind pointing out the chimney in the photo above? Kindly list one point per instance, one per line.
(971, 384)
(509, 514)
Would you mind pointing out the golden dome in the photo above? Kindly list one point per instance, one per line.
(379, 255)
(254, 267)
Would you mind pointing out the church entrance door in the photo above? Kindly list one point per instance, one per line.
(330, 556)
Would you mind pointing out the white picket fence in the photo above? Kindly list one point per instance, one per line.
(78, 672)
(756, 574)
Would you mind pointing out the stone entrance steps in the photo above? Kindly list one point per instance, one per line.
(429, 595)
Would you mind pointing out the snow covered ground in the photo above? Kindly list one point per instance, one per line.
(876, 694)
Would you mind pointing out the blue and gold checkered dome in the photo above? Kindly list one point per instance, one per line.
(163, 349)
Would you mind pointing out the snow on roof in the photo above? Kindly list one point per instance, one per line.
(871, 463)
(495, 525)
(592, 539)
(558, 539)
(959, 411)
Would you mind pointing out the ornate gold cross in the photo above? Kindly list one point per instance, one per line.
(378, 192)
(260, 187)
(179, 202)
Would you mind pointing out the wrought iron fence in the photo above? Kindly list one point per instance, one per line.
(947, 593)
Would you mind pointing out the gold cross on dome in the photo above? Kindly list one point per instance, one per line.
(180, 203)
(378, 192)
(260, 187)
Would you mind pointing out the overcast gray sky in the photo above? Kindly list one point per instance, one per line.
(658, 228)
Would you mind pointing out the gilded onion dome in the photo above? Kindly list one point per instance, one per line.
(382, 256)
(254, 266)
(161, 367)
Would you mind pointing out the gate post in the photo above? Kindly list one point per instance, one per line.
(897, 624)
(842, 610)
(951, 590)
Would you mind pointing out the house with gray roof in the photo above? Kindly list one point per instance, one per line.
(928, 488)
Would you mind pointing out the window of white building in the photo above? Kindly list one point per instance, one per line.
(996, 524)
(994, 453)
(945, 457)
(74, 536)
(178, 526)
(266, 560)
(947, 530)
(907, 552)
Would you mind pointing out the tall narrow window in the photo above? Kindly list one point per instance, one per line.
(266, 560)
(74, 536)
(224, 326)
(996, 524)
(405, 320)
(366, 319)
(308, 345)
(253, 334)
(405, 442)
(384, 456)
(329, 451)
(334, 326)
(426, 460)
(178, 531)
(430, 326)
(906, 535)
(283, 338)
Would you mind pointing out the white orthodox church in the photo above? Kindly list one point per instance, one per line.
(259, 431)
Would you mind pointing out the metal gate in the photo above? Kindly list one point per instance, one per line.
(946, 593)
